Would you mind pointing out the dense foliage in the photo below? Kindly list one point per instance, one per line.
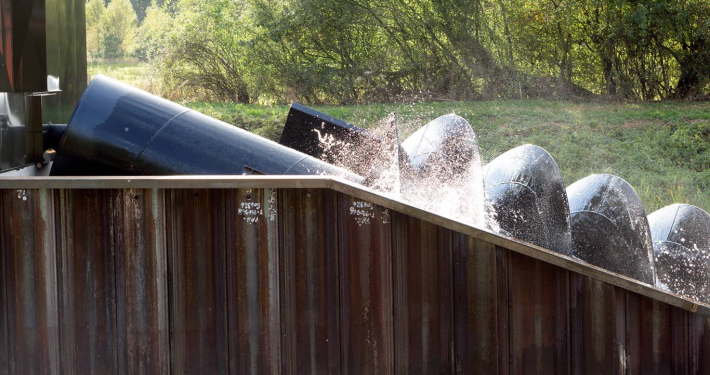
(345, 51)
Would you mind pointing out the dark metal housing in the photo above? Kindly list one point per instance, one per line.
(609, 227)
(305, 127)
(526, 197)
(24, 52)
(42, 73)
(681, 249)
(117, 129)
(445, 153)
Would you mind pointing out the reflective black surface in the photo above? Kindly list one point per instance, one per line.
(609, 227)
(53, 134)
(117, 129)
(43, 48)
(444, 148)
(681, 249)
(304, 126)
(12, 130)
(526, 196)
(443, 165)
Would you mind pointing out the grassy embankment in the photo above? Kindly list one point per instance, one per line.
(132, 73)
(662, 149)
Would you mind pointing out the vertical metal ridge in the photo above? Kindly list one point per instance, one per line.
(338, 267)
(162, 248)
(394, 230)
(170, 264)
(118, 287)
(452, 301)
(5, 359)
(285, 321)
(225, 259)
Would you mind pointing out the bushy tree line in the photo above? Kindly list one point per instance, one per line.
(345, 51)
(110, 30)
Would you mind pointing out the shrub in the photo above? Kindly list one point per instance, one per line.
(118, 29)
(152, 36)
(207, 52)
(94, 11)
(110, 31)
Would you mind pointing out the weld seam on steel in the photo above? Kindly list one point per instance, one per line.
(296, 163)
(130, 167)
(670, 228)
(516, 183)
(593, 212)
(674, 243)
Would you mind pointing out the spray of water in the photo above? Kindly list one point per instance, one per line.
(681, 247)
(438, 168)
(384, 172)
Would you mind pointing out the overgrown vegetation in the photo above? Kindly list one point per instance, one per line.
(365, 51)
(110, 30)
(132, 73)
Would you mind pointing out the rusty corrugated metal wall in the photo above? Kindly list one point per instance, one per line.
(303, 281)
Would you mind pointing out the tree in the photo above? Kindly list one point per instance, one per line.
(691, 29)
(152, 36)
(345, 51)
(141, 8)
(117, 29)
(209, 50)
(94, 12)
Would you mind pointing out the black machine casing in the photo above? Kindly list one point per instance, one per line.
(526, 195)
(681, 249)
(117, 129)
(42, 76)
(610, 228)
(305, 126)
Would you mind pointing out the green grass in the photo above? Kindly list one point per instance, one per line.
(662, 149)
(643, 143)
(132, 73)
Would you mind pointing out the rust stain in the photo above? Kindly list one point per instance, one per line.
(366, 289)
(197, 281)
(29, 281)
(252, 274)
(141, 262)
(309, 282)
(423, 296)
(302, 281)
(87, 267)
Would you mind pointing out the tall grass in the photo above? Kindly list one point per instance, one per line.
(131, 72)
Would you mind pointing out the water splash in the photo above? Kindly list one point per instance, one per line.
(444, 172)
(609, 227)
(526, 198)
(385, 171)
(681, 246)
(438, 168)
